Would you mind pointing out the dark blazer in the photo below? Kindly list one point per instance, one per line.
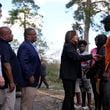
(70, 67)
(29, 62)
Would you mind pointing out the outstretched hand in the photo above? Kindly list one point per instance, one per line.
(97, 56)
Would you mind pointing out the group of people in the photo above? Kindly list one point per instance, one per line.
(92, 74)
(81, 72)
(23, 69)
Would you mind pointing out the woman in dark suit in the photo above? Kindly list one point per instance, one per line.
(70, 68)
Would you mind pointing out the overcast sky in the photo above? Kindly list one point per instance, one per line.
(57, 20)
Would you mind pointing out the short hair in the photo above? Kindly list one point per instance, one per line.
(101, 38)
(82, 42)
(0, 5)
(27, 31)
(106, 19)
(69, 35)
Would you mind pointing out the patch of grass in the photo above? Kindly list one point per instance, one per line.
(53, 80)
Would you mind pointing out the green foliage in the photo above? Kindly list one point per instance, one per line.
(25, 14)
(15, 44)
(41, 46)
(53, 75)
(20, 1)
(85, 14)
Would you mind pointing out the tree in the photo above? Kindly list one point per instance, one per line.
(25, 14)
(85, 13)
(41, 46)
(15, 44)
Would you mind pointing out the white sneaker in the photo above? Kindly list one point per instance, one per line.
(85, 108)
(78, 107)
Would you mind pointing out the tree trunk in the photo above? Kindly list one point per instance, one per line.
(87, 21)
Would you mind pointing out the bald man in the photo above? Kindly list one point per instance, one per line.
(10, 68)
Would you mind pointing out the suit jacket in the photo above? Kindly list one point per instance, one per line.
(70, 67)
(29, 62)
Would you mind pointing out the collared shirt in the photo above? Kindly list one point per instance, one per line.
(8, 56)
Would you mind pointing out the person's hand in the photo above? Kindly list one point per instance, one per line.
(12, 86)
(2, 81)
(96, 56)
(31, 80)
(99, 57)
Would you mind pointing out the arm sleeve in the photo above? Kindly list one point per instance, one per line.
(24, 58)
(73, 54)
(5, 54)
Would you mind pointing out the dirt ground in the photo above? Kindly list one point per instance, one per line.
(49, 99)
(46, 99)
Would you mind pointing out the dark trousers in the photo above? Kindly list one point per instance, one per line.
(93, 82)
(106, 90)
(69, 89)
(43, 79)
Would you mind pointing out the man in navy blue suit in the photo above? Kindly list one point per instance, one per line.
(31, 68)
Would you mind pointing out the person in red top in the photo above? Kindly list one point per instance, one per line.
(106, 22)
(96, 70)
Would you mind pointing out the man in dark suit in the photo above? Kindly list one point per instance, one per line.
(31, 68)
